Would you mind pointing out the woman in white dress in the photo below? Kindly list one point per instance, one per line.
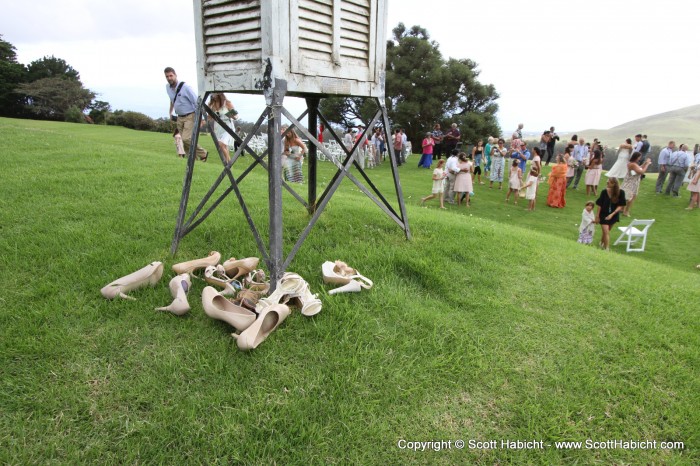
(225, 111)
(498, 163)
(294, 152)
(619, 170)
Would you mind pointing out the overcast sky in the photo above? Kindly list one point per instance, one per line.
(573, 64)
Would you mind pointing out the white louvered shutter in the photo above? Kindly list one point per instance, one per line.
(333, 38)
(232, 34)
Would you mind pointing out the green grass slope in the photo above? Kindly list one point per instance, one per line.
(682, 126)
(490, 326)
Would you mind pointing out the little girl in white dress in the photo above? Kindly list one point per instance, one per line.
(439, 175)
(587, 227)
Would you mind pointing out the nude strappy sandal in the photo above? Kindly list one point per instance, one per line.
(179, 286)
(148, 275)
(293, 290)
(256, 281)
(340, 273)
(215, 276)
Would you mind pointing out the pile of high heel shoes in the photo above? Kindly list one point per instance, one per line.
(244, 301)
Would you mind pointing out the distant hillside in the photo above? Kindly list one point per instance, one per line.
(682, 125)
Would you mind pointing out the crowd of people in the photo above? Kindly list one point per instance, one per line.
(454, 179)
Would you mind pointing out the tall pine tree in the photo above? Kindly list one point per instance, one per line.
(12, 74)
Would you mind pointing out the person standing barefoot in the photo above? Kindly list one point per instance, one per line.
(531, 192)
(463, 181)
(498, 163)
(439, 175)
(478, 157)
(619, 169)
(694, 188)
(557, 184)
(610, 203)
(514, 182)
(594, 171)
(632, 179)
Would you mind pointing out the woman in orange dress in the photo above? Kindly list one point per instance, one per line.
(557, 184)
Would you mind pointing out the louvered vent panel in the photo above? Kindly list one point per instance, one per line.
(355, 31)
(316, 28)
(232, 33)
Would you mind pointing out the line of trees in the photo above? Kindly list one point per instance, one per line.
(422, 88)
(50, 89)
(47, 89)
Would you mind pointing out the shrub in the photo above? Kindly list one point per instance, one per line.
(74, 115)
(163, 125)
(133, 120)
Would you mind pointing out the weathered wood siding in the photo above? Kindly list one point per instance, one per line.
(334, 38)
(232, 34)
(317, 46)
(356, 31)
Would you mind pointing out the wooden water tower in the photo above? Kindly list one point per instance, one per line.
(302, 48)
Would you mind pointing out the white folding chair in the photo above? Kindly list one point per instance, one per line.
(258, 144)
(631, 234)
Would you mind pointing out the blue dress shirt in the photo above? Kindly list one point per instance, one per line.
(186, 102)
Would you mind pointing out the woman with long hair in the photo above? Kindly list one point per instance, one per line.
(227, 114)
(631, 183)
(610, 203)
(557, 184)
(498, 163)
(594, 171)
(294, 151)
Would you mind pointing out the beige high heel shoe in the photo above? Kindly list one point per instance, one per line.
(352, 287)
(190, 266)
(234, 268)
(220, 308)
(340, 273)
(148, 275)
(179, 286)
(271, 318)
(294, 291)
(213, 276)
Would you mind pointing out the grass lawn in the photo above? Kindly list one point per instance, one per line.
(491, 324)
